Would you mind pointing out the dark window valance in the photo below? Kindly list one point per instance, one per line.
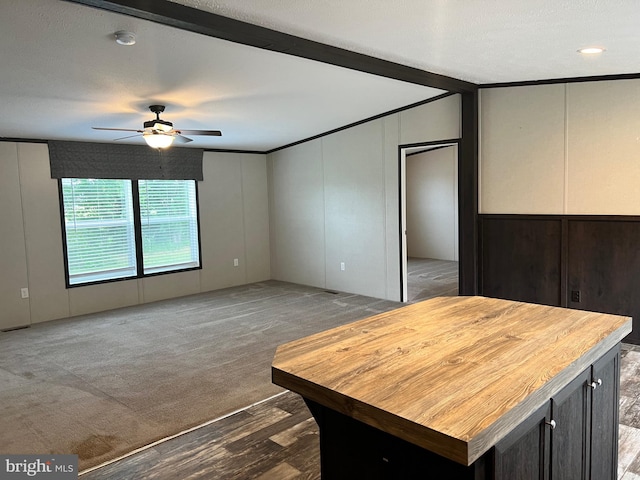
(134, 162)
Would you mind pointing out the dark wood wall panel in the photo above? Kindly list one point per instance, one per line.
(520, 259)
(604, 266)
(546, 259)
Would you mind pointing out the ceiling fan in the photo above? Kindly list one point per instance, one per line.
(160, 133)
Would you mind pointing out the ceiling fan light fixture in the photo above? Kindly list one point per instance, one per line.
(158, 140)
(160, 133)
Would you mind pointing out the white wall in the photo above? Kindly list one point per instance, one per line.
(234, 223)
(13, 255)
(296, 202)
(336, 199)
(603, 147)
(353, 163)
(293, 217)
(234, 220)
(561, 149)
(432, 204)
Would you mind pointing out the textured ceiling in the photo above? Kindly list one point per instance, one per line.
(62, 72)
(480, 41)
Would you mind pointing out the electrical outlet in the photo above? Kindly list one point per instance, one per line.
(575, 296)
(235, 262)
(24, 292)
(342, 266)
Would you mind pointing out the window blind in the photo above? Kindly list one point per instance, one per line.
(99, 229)
(169, 219)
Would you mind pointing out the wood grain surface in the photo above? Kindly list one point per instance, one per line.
(451, 374)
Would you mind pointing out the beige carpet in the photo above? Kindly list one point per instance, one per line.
(101, 385)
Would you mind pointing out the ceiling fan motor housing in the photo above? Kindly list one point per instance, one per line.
(158, 125)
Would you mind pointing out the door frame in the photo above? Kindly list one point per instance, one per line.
(468, 248)
(402, 178)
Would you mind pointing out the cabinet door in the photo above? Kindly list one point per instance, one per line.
(604, 417)
(571, 412)
(524, 453)
(350, 449)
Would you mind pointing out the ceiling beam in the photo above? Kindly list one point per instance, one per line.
(213, 25)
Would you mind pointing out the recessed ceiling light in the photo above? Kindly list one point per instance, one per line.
(125, 38)
(591, 50)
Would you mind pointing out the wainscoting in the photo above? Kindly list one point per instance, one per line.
(584, 262)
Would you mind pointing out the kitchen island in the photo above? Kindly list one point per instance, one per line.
(463, 388)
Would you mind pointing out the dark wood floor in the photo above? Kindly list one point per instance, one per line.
(278, 440)
(629, 444)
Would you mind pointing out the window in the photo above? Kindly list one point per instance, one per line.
(106, 220)
(168, 213)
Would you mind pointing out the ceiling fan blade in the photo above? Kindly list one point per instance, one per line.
(118, 129)
(210, 133)
(182, 139)
(128, 136)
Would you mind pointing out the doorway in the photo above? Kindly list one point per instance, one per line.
(429, 221)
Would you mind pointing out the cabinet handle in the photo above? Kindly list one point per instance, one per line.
(595, 384)
(552, 424)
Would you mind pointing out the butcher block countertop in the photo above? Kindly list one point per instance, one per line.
(453, 375)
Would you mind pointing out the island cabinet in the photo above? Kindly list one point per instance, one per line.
(572, 437)
(463, 388)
